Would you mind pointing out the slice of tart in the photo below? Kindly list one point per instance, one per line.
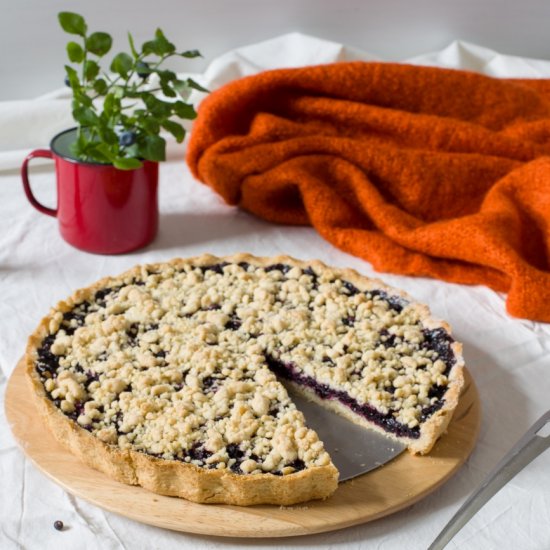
(169, 375)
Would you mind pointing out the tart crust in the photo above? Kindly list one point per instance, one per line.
(176, 478)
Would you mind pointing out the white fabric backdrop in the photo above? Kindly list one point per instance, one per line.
(508, 358)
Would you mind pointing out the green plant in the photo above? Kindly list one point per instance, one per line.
(120, 114)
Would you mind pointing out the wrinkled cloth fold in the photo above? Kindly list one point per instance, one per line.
(418, 170)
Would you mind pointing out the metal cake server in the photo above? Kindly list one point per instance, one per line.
(353, 449)
(535, 441)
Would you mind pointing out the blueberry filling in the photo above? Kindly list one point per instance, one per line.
(235, 452)
(101, 294)
(298, 464)
(349, 321)
(351, 290)
(314, 279)
(48, 362)
(209, 384)
(234, 323)
(386, 339)
(78, 410)
(90, 377)
(216, 268)
(395, 302)
(117, 422)
(440, 341)
(132, 332)
(428, 411)
(77, 317)
(385, 421)
(198, 452)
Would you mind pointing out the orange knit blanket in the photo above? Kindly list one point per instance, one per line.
(420, 171)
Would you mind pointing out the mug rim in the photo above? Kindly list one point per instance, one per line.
(57, 153)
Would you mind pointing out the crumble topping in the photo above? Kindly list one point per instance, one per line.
(180, 362)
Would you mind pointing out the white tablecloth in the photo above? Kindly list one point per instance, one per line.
(508, 358)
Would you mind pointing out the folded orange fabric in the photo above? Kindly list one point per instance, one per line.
(420, 171)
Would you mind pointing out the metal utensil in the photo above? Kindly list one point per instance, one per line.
(354, 450)
(535, 441)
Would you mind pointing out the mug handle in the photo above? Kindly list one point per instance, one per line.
(38, 153)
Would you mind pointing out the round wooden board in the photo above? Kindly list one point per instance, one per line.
(392, 487)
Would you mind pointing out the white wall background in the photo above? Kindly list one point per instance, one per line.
(32, 44)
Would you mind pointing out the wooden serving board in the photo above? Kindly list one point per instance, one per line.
(390, 488)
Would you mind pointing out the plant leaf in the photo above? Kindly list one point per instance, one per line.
(75, 52)
(123, 163)
(111, 105)
(81, 97)
(190, 54)
(154, 148)
(149, 47)
(196, 86)
(99, 43)
(105, 151)
(72, 23)
(94, 150)
(100, 86)
(85, 116)
(159, 45)
(132, 46)
(150, 125)
(108, 135)
(157, 107)
(165, 78)
(175, 129)
(167, 90)
(184, 110)
(91, 69)
(122, 64)
(77, 149)
(73, 77)
(131, 151)
(164, 43)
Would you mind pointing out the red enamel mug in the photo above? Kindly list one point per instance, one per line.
(100, 208)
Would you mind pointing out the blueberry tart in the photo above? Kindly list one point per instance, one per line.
(173, 376)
